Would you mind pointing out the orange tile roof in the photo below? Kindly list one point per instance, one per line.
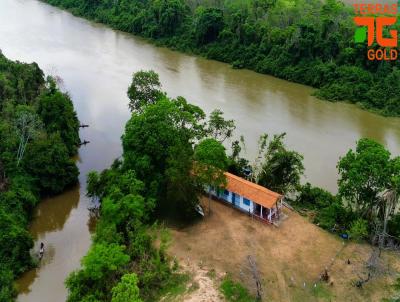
(251, 191)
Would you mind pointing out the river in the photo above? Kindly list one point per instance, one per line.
(96, 64)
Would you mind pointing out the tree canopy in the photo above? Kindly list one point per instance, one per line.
(126, 290)
(144, 89)
(281, 169)
(369, 182)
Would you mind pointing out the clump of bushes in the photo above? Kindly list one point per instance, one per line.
(235, 292)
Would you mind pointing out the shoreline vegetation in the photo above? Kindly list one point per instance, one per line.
(307, 42)
(171, 151)
(38, 137)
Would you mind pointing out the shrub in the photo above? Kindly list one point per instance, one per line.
(359, 229)
(235, 292)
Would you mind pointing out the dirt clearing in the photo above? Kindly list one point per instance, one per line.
(289, 259)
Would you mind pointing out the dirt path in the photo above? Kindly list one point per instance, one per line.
(204, 284)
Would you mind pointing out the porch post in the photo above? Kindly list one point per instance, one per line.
(261, 212)
(277, 211)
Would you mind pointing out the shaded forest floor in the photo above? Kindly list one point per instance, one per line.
(290, 258)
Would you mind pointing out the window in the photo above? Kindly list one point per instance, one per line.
(226, 192)
(246, 202)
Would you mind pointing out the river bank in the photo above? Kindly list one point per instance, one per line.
(38, 137)
(295, 41)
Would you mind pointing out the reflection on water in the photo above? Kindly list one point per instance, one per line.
(96, 65)
(52, 213)
(49, 217)
(27, 279)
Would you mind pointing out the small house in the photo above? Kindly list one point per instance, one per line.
(250, 198)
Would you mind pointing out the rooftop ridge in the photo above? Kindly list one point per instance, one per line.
(252, 184)
(251, 190)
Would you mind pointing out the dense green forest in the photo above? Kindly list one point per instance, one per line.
(38, 136)
(153, 179)
(171, 151)
(305, 41)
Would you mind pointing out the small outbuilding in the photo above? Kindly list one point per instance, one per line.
(250, 198)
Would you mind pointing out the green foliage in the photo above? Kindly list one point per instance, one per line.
(235, 292)
(237, 164)
(93, 187)
(208, 24)
(103, 259)
(282, 168)
(49, 161)
(123, 262)
(15, 240)
(211, 153)
(394, 226)
(397, 288)
(334, 217)
(322, 292)
(167, 16)
(330, 214)
(7, 290)
(38, 132)
(19, 82)
(210, 163)
(359, 229)
(58, 115)
(368, 195)
(364, 174)
(219, 128)
(176, 286)
(314, 197)
(158, 146)
(161, 142)
(309, 42)
(126, 290)
(144, 90)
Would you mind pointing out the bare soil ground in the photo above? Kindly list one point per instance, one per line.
(204, 285)
(290, 258)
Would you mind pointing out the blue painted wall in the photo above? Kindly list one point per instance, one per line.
(240, 202)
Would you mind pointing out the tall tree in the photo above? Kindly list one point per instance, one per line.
(219, 128)
(239, 165)
(158, 145)
(369, 182)
(144, 90)
(363, 174)
(210, 164)
(28, 125)
(48, 160)
(208, 24)
(282, 168)
(58, 115)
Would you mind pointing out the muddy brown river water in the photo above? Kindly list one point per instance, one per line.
(96, 63)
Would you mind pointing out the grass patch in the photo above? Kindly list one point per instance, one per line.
(176, 285)
(321, 292)
(235, 292)
(312, 294)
